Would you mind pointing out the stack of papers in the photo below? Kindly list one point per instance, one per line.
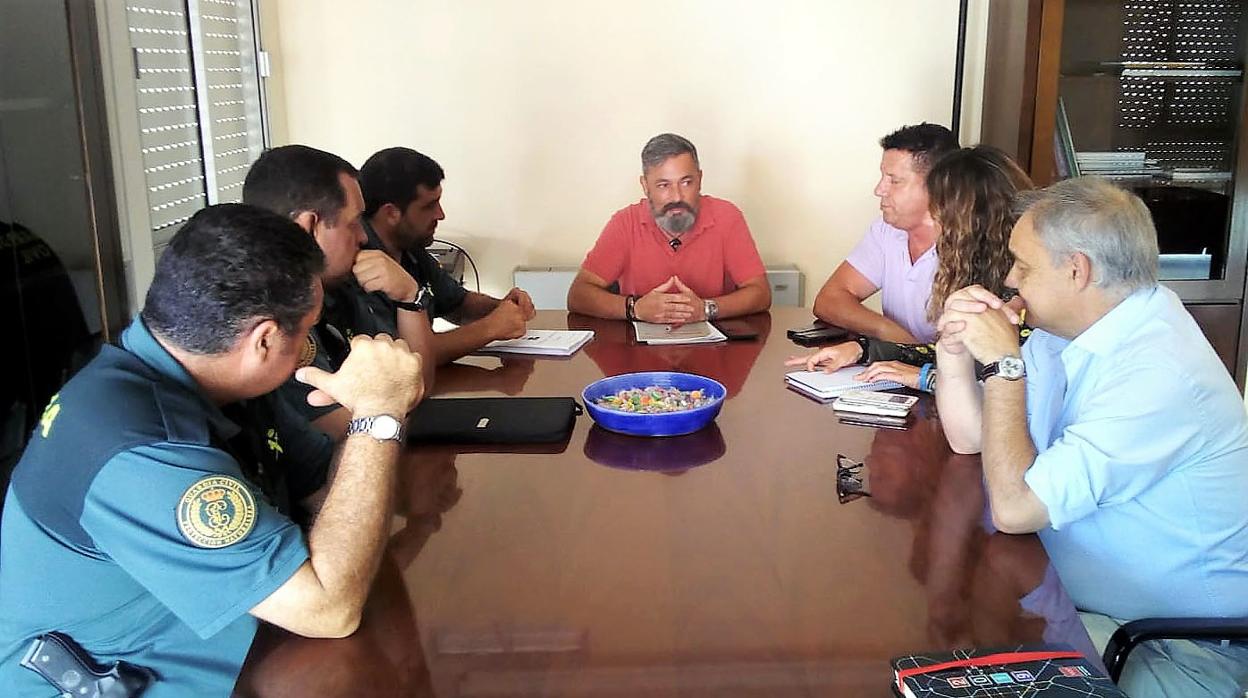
(870, 402)
(691, 333)
(542, 342)
(827, 386)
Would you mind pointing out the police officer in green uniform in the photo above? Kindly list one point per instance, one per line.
(365, 294)
(402, 206)
(140, 521)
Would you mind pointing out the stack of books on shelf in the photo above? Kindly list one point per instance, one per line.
(1199, 174)
(1124, 165)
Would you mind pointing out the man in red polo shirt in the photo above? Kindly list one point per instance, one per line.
(677, 256)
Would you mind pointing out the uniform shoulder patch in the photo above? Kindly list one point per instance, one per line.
(216, 511)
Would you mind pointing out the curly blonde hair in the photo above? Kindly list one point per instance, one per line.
(972, 194)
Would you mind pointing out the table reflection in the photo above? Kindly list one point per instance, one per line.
(984, 588)
(554, 576)
(509, 377)
(385, 657)
(669, 454)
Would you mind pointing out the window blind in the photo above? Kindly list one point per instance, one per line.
(200, 101)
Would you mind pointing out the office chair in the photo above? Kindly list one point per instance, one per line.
(1130, 635)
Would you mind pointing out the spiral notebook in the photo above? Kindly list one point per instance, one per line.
(827, 386)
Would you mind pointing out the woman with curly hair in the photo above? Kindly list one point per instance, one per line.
(972, 194)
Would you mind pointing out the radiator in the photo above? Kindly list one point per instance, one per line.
(548, 286)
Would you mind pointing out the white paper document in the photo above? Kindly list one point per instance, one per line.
(689, 333)
(542, 342)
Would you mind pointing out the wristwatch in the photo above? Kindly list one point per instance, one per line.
(864, 343)
(424, 296)
(710, 308)
(1008, 367)
(382, 427)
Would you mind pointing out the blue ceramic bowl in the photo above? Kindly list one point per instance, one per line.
(662, 424)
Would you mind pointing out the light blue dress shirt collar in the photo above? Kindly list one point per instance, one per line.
(1108, 333)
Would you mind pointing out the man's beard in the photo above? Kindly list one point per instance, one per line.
(410, 240)
(676, 217)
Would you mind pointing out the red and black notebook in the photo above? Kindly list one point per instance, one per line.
(1029, 670)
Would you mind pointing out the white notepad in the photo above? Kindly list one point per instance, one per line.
(689, 333)
(825, 386)
(542, 342)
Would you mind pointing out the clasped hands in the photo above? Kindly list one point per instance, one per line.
(509, 318)
(670, 303)
(976, 322)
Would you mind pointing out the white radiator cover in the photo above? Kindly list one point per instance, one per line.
(548, 286)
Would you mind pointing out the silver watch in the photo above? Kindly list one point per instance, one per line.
(382, 427)
(1010, 368)
(710, 308)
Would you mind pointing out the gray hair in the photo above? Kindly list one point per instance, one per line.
(1109, 225)
(664, 146)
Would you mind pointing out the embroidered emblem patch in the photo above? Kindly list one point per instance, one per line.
(308, 352)
(216, 511)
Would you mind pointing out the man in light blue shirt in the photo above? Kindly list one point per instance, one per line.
(1116, 432)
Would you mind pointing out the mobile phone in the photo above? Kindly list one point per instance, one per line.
(736, 329)
(817, 333)
(816, 325)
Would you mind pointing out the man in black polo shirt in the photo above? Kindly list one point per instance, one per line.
(365, 293)
(402, 206)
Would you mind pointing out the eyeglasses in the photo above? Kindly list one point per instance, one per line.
(849, 480)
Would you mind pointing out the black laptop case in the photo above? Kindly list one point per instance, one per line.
(493, 420)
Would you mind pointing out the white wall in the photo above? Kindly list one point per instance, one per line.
(538, 109)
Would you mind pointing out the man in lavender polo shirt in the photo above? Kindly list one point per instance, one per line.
(897, 256)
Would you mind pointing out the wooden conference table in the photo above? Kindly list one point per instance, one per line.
(721, 563)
